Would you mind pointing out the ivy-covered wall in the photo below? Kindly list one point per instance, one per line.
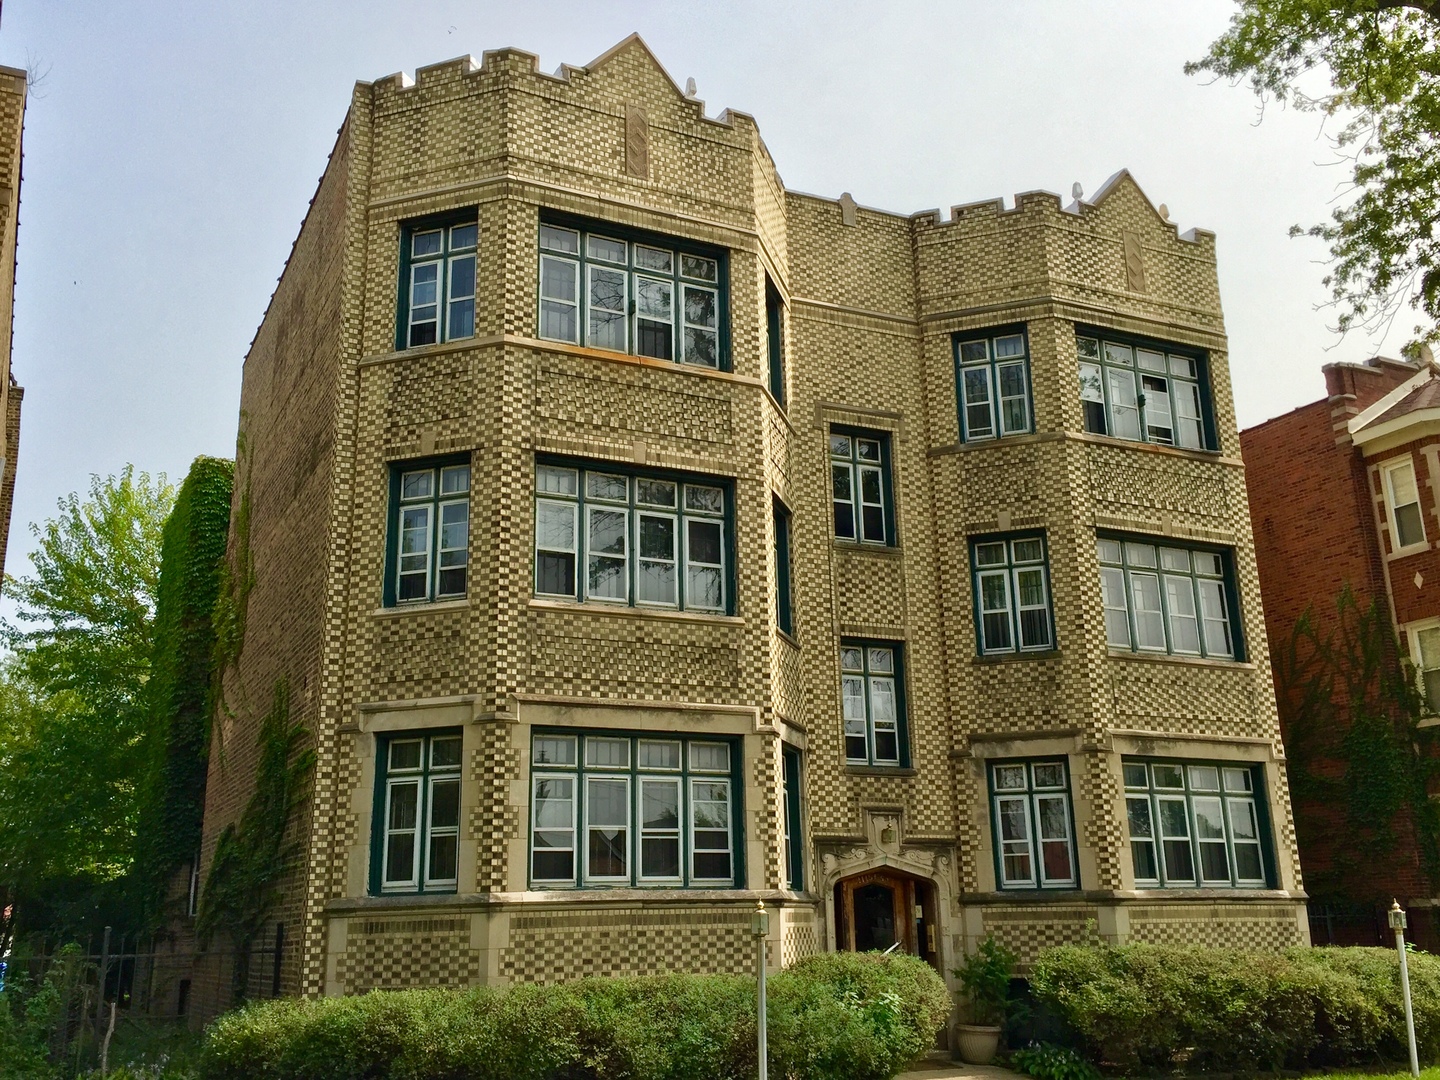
(182, 678)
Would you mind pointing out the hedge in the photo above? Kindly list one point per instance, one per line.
(832, 1016)
(1159, 1008)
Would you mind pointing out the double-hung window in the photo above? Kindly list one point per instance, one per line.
(1141, 392)
(438, 283)
(994, 382)
(430, 532)
(603, 287)
(1012, 594)
(873, 705)
(1034, 833)
(1425, 654)
(613, 810)
(611, 537)
(860, 487)
(1167, 599)
(417, 800)
(1195, 824)
(1402, 504)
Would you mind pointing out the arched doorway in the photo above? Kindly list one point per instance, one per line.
(884, 909)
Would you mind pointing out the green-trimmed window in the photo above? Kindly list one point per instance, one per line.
(613, 809)
(416, 845)
(1143, 391)
(873, 703)
(784, 613)
(437, 286)
(861, 495)
(1033, 824)
(775, 340)
(429, 550)
(992, 373)
(794, 822)
(609, 536)
(1196, 824)
(1165, 598)
(1012, 594)
(611, 288)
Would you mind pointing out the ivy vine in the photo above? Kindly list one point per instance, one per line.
(1351, 709)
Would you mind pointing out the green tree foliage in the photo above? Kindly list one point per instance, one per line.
(74, 708)
(253, 856)
(1352, 715)
(1382, 62)
(192, 553)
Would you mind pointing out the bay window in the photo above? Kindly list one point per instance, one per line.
(1164, 598)
(1142, 392)
(1195, 824)
(1012, 594)
(417, 801)
(993, 381)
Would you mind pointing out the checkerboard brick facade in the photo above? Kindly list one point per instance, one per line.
(872, 301)
(13, 92)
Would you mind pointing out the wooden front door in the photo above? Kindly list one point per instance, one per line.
(878, 910)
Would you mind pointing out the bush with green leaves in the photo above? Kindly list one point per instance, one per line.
(860, 1017)
(1046, 1062)
(1161, 1008)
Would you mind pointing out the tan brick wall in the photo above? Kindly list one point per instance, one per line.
(871, 310)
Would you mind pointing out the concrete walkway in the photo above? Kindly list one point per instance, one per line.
(956, 1070)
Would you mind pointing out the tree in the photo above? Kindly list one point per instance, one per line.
(1382, 61)
(74, 711)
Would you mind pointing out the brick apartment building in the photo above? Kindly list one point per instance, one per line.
(1343, 493)
(640, 538)
(12, 127)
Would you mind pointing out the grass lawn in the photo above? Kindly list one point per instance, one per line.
(1431, 1073)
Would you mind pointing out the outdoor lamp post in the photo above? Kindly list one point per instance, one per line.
(1397, 923)
(760, 928)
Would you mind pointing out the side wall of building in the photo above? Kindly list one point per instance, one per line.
(281, 517)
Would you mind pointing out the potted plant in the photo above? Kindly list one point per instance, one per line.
(985, 975)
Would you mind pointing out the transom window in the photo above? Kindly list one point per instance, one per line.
(1141, 393)
(1034, 835)
(440, 291)
(1012, 594)
(1160, 598)
(614, 538)
(431, 530)
(418, 799)
(872, 704)
(651, 299)
(614, 810)
(993, 377)
(1194, 824)
(1402, 501)
(860, 487)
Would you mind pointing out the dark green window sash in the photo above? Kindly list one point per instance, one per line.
(451, 276)
(775, 340)
(1014, 610)
(395, 516)
(784, 614)
(1031, 848)
(638, 325)
(867, 672)
(380, 825)
(1168, 404)
(1172, 825)
(992, 383)
(1124, 631)
(578, 772)
(794, 821)
(857, 516)
(548, 575)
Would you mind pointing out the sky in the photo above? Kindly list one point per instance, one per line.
(171, 150)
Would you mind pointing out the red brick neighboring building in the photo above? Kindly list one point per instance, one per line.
(1346, 491)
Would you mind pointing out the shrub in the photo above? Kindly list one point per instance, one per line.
(1160, 1008)
(861, 1017)
(1046, 1062)
(986, 975)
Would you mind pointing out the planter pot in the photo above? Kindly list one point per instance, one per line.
(977, 1043)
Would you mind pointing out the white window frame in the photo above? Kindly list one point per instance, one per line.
(424, 777)
(435, 505)
(1413, 632)
(1127, 566)
(444, 261)
(1009, 571)
(1388, 471)
(857, 468)
(1121, 381)
(1235, 785)
(869, 677)
(993, 366)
